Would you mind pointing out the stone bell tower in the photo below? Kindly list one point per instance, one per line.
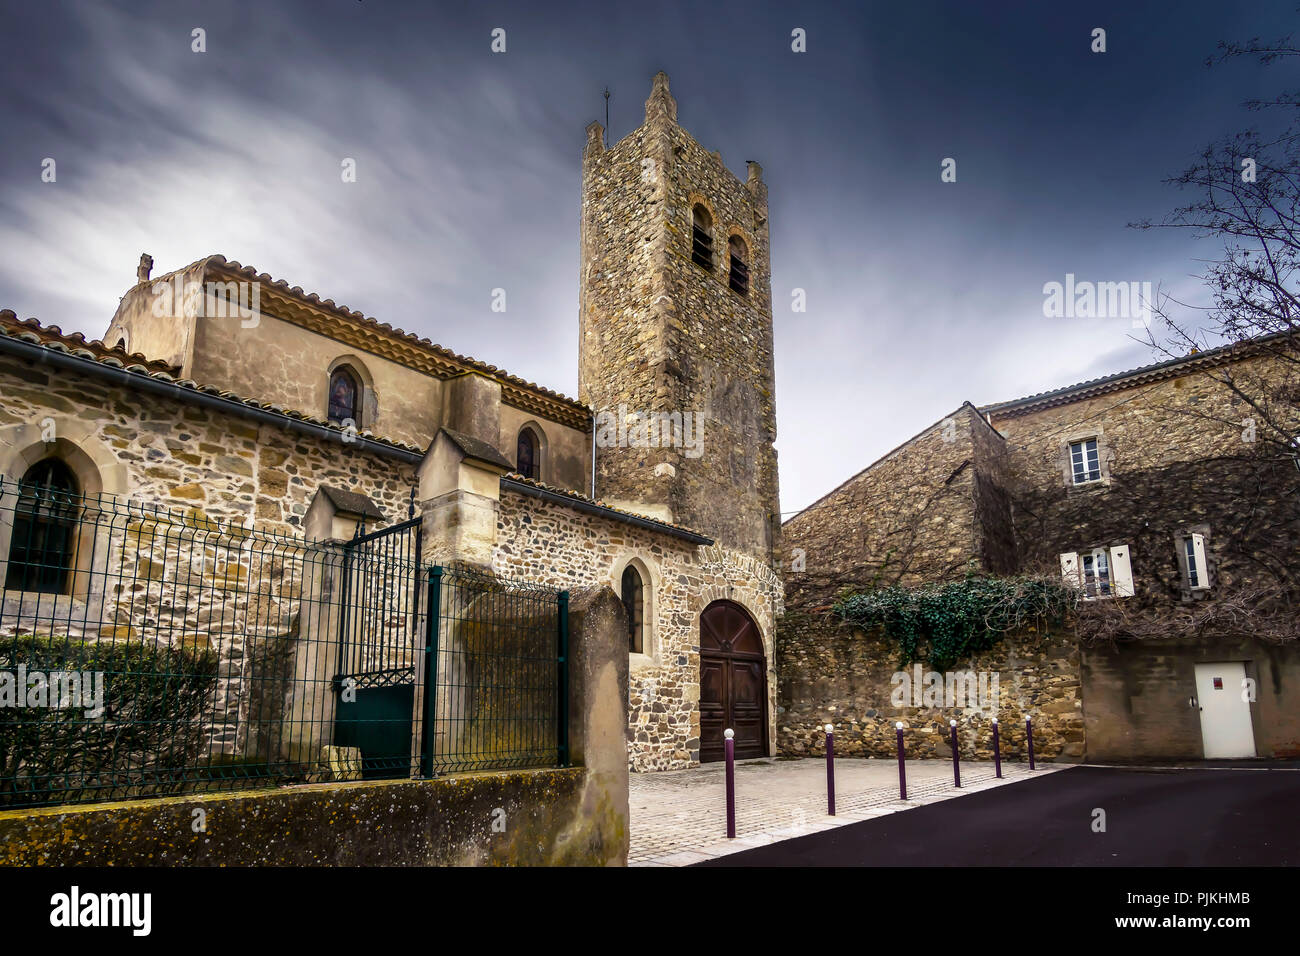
(675, 326)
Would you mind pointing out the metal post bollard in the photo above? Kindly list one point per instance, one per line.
(902, 772)
(1029, 736)
(830, 769)
(997, 751)
(956, 757)
(731, 782)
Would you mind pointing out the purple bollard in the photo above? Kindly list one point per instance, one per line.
(902, 772)
(997, 751)
(1029, 736)
(830, 769)
(731, 782)
(956, 757)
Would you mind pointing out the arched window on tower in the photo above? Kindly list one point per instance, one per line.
(344, 396)
(527, 461)
(42, 548)
(634, 604)
(739, 278)
(702, 237)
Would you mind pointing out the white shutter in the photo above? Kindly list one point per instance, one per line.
(1070, 570)
(1202, 572)
(1121, 572)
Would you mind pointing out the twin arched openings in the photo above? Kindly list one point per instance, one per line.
(702, 250)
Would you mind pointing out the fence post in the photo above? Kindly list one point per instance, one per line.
(830, 769)
(431, 670)
(730, 746)
(1029, 737)
(902, 772)
(997, 751)
(956, 757)
(562, 664)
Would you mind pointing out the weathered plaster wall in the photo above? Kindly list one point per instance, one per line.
(1136, 698)
(282, 363)
(566, 455)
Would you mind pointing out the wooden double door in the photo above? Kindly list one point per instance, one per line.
(733, 682)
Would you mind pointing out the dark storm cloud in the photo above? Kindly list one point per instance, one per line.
(920, 294)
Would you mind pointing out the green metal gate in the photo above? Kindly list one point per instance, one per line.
(381, 643)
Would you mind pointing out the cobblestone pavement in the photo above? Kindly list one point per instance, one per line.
(679, 817)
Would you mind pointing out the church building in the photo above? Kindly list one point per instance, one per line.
(238, 397)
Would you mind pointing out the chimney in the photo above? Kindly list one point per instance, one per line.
(146, 266)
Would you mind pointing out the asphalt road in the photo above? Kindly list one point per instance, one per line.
(1190, 817)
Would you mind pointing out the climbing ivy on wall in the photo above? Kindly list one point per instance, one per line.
(955, 620)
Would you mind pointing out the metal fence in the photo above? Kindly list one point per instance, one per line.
(148, 651)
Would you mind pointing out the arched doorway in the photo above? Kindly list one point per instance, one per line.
(733, 682)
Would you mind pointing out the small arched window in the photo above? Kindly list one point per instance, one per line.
(527, 461)
(344, 396)
(634, 603)
(702, 237)
(739, 278)
(42, 546)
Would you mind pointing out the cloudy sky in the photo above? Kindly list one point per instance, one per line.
(920, 293)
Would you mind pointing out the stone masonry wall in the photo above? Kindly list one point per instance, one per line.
(546, 542)
(172, 555)
(183, 456)
(833, 673)
(1174, 461)
(910, 517)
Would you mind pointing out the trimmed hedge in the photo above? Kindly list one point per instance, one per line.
(156, 699)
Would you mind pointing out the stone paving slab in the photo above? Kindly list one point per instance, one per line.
(679, 817)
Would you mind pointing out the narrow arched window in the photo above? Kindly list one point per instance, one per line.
(634, 604)
(526, 459)
(345, 394)
(42, 547)
(739, 278)
(702, 237)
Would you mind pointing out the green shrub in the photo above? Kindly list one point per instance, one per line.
(955, 619)
(156, 700)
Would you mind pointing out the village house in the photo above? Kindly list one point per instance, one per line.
(239, 401)
(1152, 493)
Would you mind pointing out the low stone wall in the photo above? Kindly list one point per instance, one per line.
(832, 673)
(522, 818)
(569, 816)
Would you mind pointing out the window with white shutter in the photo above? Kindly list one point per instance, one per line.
(1198, 577)
(1099, 573)
(1070, 570)
(1121, 572)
